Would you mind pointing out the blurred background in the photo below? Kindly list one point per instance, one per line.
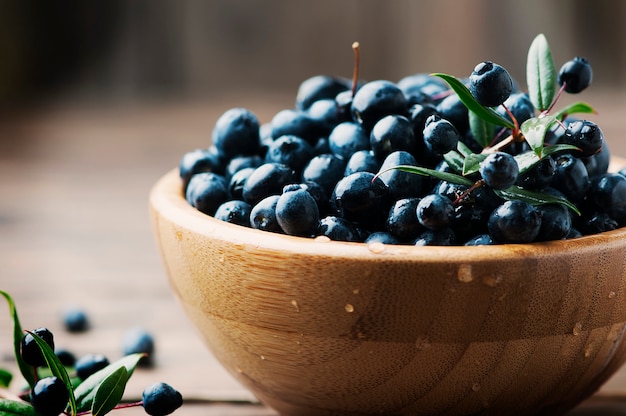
(98, 99)
(145, 49)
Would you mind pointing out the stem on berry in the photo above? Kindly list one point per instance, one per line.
(119, 406)
(500, 145)
(355, 71)
(515, 122)
(477, 184)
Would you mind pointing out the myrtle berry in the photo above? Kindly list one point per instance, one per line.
(49, 396)
(291, 151)
(571, 177)
(362, 161)
(480, 240)
(402, 220)
(338, 229)
(584, 134)
(207, 191)
(514, 221)
(263, 215)
(347, 138)
(539, 176)
(75, 319)
(235, 212)
(325, 113)
(381, 237)
(199, 160)
(596, 222)
(576, 75)
(499, 170)
(609, 194)
(520, 105)
(67, 358)
(268, 179)
(236, 132)
(556, 219)
(442, 237)
(326, 170)
(422, 84)
(295, 123)
(392, 133)
(29, 349)
(401, 184)
(440, 136)
(452, 109)
(376, 99)
(490, 84)
(139, 341)
(89, 364)
(435, 211)
(297, 213)
(242, 162)
(160, 399)
(361, 197)
(238, 181)
(317, 88)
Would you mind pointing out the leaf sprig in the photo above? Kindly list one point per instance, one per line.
(98, 394)
(485, 121)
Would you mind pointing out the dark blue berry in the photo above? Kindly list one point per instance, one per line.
(392, 133)
(296, 123)
(89, 364)
(381, 237)
(235, 212)
(319, 87)
(598, 164)
(402, 220)
(242, 162)
(499, 170)
(49, 396)
(197, 161)
(596, 222)
(576, 75)
(139, 341)
(571, 177)
(161, 399)
(238, 181)
(363, 198)
(539, 176)
(435, 211)
(480, 240)
(325, 113)
(609, 194)
(440, 136)
(452, 109)
(514, 222)
(263, 215)
(326, 170)
(422, 83)
(291, 151)
(520, 106)
(268, 179)
(362, 161)
(236, 132)
(75, 319)
(66, 357)
(207, 191)
(347, 138)
(584, 134)
(490, 84)
(401, 184)
(376, 99)
(29, 349)
(441, 237)
(338, 229)
(297, 213)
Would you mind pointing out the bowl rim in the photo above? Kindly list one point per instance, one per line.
(167, 202)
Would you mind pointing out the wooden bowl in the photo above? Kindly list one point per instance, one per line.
(314, 327)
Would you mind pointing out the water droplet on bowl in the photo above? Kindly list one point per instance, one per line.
(492, 281)
(179, 235)
(349, 307)
(612, 294)
(476, 386)
(464, 273)
(322, 239)
(376, 248)
(578, 329)
(295, 305)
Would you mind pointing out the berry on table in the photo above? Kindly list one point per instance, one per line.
(139, 341)
(160, 399)
(75, 319)
(30, 351)
(49, 396)
(89, 364)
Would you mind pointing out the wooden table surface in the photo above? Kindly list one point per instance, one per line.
(74, 231)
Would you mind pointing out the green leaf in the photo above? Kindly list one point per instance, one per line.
(470, 102)
(482, 131)
(444, 176)
(541, 75)
(86, 391)
(534, 197)
(56, 367)
(472, 163)
(527, 160)
(109, 392)
(5, 377)
(455, 160)
(25, 369)
(15, 408)
(575, 108)
(534, 131)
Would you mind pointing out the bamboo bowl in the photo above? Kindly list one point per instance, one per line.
(314, 327)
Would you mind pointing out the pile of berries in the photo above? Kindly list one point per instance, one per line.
(428, 160)
(58, 383)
